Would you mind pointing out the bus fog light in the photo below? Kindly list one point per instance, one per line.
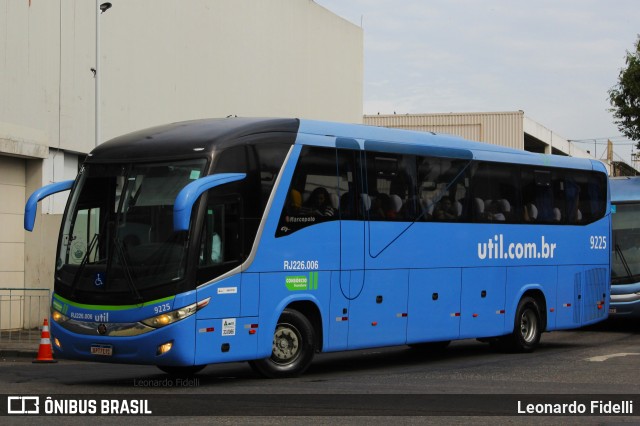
(57, 342)
(164, 348)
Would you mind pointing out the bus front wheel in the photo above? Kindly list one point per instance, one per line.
(293, 347)
(527, 328)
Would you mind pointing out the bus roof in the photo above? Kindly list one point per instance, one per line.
(479, 150)
(186, 138)
(192, 138)
(626, 188)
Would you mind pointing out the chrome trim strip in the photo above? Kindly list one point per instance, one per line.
(632, 297)
(123, 329)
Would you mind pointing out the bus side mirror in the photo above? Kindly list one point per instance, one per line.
(189, 194)
(32, 203)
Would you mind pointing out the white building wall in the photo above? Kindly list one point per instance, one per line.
(247, 58)
(169, 60)
(59, 166)
(12, 185)
(161, 61)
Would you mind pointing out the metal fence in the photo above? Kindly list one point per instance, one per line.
(22, 311)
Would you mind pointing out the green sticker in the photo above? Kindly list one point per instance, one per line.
(195, 174)
(296, 282)
(302, 282)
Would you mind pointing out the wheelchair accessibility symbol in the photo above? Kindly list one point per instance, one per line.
(98, 279)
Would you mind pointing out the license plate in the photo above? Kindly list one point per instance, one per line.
(103, 350)
(612, 310)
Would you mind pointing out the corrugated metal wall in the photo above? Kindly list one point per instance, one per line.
(498, 128)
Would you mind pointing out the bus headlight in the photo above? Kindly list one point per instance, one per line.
(167, 318)
(58, 317)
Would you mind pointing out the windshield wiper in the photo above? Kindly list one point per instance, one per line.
(117, 244)
(127, 270)
(76, 278)
(623, 260)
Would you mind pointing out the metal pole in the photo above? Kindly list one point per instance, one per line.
(98, 72)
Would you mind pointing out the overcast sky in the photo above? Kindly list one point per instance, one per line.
(553, 59)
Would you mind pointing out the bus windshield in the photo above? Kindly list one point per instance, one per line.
(117, 239)
(625, 266)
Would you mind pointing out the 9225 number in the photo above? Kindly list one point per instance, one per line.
(165, 307)
(598, 242)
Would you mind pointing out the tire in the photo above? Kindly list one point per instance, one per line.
(527, 328)
(433, 347)
(181, 371)
(293, 347)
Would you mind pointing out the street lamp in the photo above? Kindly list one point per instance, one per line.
(100, 9)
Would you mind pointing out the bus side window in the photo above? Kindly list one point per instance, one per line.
(441, 190)
(211, 250)
(312, 196)
(585, 196)
(221, 240)
(597, 189)
(391, 186)
(494, 193)
(354, 202)
(542, 196)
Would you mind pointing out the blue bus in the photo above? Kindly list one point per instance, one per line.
(625, 263)
(269, 240)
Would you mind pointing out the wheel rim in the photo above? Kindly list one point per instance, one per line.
(528, 325)
(286, 344)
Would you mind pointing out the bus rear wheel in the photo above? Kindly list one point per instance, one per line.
(527, 328)
(293, 347)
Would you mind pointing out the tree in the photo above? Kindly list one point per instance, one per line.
(625, 96)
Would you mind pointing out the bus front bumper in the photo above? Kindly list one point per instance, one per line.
(624, 305)
(173, 345)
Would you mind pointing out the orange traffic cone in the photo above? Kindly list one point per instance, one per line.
(44, 351)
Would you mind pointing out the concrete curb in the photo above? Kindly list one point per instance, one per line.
(9, 354)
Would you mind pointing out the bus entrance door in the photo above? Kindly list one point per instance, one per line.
(350, 279)
(347, 283)
(353, 204)
(351, 270)
(351, 259)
